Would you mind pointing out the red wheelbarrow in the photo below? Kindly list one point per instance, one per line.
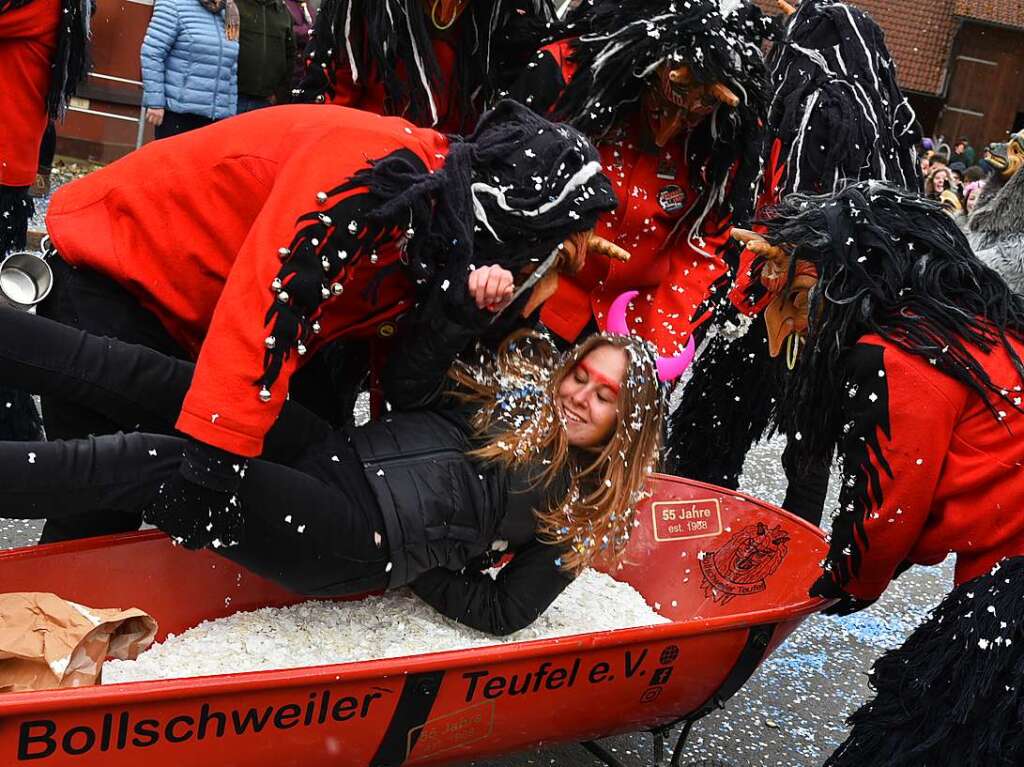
(730, 572)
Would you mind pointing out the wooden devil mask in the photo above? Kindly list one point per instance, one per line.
(787, 316)
(676, 102)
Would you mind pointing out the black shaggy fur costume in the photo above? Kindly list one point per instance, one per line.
(953, 694)
(894, 264)
(494, 39)
(837, 109)
(889, 262)
(838, 115)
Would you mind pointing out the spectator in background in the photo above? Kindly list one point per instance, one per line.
(266, 58)
(972, 190)
(302, 22)
(190, 64)
(943, 186)
(974, 173)
(963, 152)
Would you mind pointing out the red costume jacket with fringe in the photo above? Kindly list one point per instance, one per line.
(369, 93)
(928, 467)
(28, 40)
(193, 227)
(657, 209)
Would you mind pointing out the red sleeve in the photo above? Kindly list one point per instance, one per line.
(223, 407)
(899, 417)
(343, 92)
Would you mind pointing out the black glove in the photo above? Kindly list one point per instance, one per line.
(847, 604)
(199, 505)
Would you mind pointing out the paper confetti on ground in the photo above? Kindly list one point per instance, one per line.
(398, 623)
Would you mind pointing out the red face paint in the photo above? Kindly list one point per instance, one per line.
(600, 378)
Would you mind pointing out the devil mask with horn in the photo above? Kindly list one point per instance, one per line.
(789, 286)
(683, 63)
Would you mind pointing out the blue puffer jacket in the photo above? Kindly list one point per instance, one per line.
(188, 64)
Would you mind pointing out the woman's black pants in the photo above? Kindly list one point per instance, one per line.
(89, 301)
(312, 521)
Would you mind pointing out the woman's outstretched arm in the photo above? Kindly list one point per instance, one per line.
(524, 589)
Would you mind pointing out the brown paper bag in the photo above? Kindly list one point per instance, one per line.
(47, 642)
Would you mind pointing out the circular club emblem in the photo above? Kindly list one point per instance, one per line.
(672, 198)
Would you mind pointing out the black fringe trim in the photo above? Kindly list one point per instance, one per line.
(953, 694)
(862, 459)
(328, 245)
(71, 62)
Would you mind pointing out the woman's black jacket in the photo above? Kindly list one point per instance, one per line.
(443, 511)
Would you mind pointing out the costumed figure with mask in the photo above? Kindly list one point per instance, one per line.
(42, 60)
(836, 115)
(249, 256)
(996, 227)
(910, 367)
(437, 63)
(672, 93)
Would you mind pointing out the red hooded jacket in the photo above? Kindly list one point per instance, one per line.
(657, 210)
(933, 469)
(192, 227)
(28, 40)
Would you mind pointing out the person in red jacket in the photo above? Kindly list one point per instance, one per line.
(672, 94)
(42, 60)
(836, 114)
(251, 244)
(434, 62)
(908, 359)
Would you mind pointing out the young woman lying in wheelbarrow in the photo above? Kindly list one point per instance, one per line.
(522, 453)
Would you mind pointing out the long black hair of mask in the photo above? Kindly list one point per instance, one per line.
(837, 109)
(890, 263)
(508, 194)
(390, 40)
(617, 48)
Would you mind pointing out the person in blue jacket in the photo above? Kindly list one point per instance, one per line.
(190, 64)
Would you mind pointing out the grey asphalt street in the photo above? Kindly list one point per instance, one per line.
(791, 712)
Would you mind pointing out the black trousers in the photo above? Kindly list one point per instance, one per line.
(312, 521)
(88, 301)
(179, 122)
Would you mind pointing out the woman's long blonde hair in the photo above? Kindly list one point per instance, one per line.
(524, 428)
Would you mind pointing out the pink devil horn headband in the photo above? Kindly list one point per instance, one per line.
(669, 368)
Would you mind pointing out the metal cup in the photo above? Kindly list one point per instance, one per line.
(25, 280)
